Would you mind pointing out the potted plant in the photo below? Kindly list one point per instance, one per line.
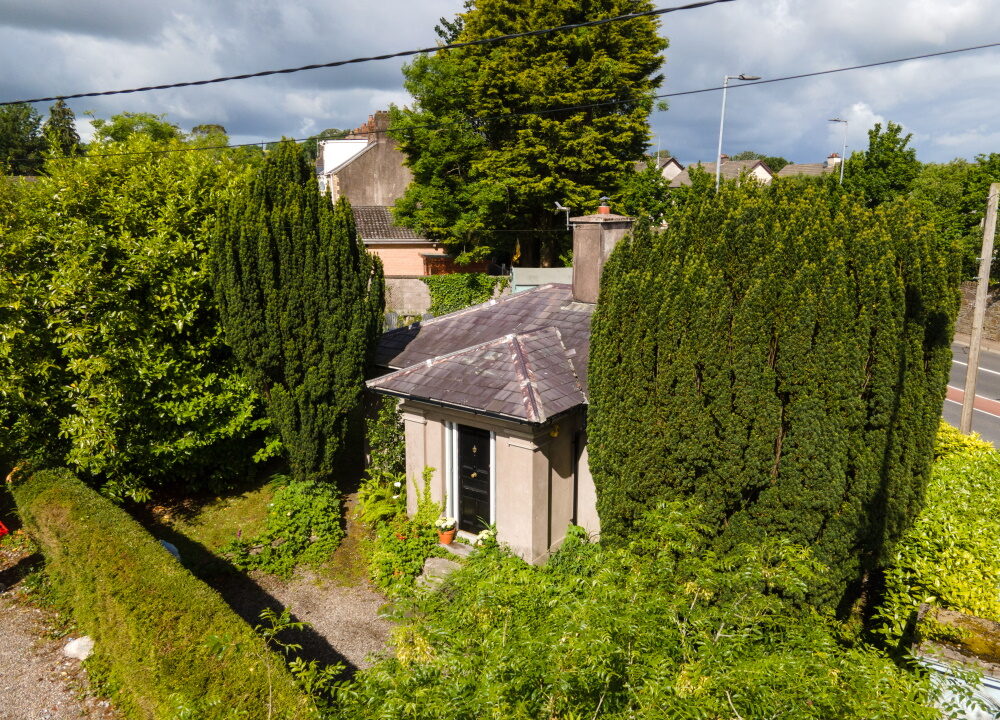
(447, 529)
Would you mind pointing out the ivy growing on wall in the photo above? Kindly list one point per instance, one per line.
(460, 290)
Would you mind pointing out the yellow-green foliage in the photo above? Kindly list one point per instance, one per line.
(951, 441)
(153, 623)
(948, 557)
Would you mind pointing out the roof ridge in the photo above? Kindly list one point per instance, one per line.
(437, 358)
(528, 389)
(473, 308)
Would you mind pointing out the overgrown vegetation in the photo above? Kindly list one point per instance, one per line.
(665, 627)
(111, 357)
(400, 544)
(780, 355)
(302, 302)
(460, 290)
(947, 558)
(303, 526)
(150, 619)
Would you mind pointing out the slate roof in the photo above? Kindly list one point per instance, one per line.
(730, 169)
(522, 357)
(375, 224)
(811, 169)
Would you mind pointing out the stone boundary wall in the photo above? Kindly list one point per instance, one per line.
(407, 295)
(991, 325)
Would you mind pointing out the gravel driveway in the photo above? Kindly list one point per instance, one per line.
(37, 682)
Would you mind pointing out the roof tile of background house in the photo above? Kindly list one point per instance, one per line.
(811, 169)
(375, 222)
(730, 169)
(522, 356)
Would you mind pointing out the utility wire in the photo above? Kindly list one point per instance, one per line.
(547, 111)
(402, 53)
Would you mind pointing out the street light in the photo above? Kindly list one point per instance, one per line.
(843, 159)
(722, 121)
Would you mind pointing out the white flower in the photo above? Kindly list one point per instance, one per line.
(395, 497)
(397, 484)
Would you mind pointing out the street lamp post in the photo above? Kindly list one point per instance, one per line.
(722, 121)
(843, 158)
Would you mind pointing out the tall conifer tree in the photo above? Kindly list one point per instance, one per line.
(498, 133)
(302, 302)
(60, 129)
(780, 355)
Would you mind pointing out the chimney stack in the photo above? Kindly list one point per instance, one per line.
(594, 237)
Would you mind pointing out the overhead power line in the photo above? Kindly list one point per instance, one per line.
(387, 56)
(567, 108)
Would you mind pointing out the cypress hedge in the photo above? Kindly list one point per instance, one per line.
(301, 302)
(780, 354)
(151, 620)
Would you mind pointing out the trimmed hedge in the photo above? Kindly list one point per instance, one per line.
(150, 619)
(778, 354)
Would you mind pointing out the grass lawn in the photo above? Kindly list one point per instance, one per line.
(216, 522)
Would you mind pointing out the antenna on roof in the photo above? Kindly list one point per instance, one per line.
(560, 206)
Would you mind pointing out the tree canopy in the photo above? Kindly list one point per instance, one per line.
(887, 169)
(60, 130)
(492, 139)
(779, 354)
(111, 357)
(21, 142)
(301, 301)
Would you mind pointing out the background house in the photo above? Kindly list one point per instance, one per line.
(832, 164)
(731, 170)
(494, 398)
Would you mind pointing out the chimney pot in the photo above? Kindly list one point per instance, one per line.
(604, 208)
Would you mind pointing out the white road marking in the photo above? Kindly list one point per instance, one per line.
(974, 409)
(981, 369)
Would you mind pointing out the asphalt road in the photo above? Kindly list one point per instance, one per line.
(986, 415)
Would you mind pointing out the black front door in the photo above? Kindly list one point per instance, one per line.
(473, 479)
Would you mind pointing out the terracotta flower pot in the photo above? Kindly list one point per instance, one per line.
(447, 537)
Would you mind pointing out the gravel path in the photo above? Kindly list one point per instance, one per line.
(37, 682)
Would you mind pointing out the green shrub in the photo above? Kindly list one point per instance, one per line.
(780, 354)
(666, 628)
(948, 557)
(152, 622)
(399, 545)
(302, 527)
(460, 290)
(952, 441)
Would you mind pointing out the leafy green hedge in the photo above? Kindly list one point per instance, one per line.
(460, 290)
(665, 628)
(780, 354)
(153, 623)
(948, 557)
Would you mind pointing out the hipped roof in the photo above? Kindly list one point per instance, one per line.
(522, 357)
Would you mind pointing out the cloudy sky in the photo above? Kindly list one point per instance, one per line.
(950, 104)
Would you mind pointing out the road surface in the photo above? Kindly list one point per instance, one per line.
(986, 415)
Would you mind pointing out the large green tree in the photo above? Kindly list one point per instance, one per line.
(493, 139)
(21, 141)
(111, 356)
(779, 354)
(302, 305)
(60, 129)
(887, 169)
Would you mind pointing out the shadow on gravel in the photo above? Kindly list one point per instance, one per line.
(245, 596)
(15, 573)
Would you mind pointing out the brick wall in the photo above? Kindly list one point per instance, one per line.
(991, 326)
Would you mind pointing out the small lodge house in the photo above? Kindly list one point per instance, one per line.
(494, 399)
